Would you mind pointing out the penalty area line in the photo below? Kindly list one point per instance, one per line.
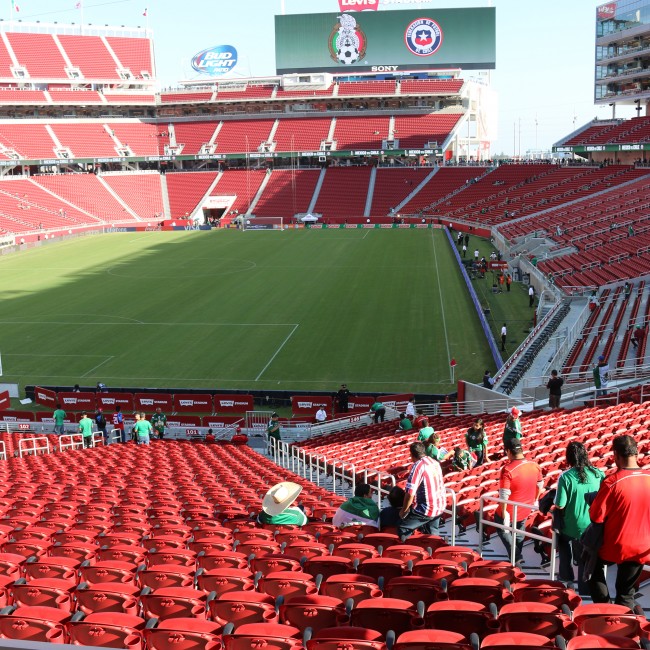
(99, 365)
(291, 333)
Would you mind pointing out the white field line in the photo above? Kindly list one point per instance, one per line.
(99, 365)
(295, 327)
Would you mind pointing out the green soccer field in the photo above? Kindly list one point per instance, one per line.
(381, 310)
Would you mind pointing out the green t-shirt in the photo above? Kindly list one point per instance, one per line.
(571, 496)
(406, 424)
(291, 516)
(376, 406)
(86, 427)
(273, 430)
(142, 428)
(511, 430)
(159, 421)
(59, 416)
(463, 461)
(433, 452)
(425, 434)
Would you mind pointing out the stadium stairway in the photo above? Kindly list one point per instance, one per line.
(165, 196)
(415, 192)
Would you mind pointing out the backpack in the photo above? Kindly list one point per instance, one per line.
(100, 420)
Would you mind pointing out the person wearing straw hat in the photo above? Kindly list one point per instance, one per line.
(276, 502)
(512, 429)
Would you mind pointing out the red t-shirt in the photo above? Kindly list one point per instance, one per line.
(623, 503)
(519, 482)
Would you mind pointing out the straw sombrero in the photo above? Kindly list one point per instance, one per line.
(280, 497)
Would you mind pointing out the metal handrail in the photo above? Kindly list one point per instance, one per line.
(30, 445)
(70, 441)
(512, 528)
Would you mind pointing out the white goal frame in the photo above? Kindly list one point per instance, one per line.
(263, 223)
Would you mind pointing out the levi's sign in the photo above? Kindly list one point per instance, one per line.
(354, 5)
(217, 60)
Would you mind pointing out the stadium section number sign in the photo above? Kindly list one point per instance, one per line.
(389, 41)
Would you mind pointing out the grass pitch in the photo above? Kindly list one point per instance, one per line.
(381, 310)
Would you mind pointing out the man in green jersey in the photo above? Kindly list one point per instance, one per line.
(142, 430)
(273, 427)
(512, 427)
(159, 422)
(86, 429)
(59, 418)
(378, 411)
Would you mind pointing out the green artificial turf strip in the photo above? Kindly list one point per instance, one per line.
(295, 310)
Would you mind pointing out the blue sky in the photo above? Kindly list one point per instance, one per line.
(545, 50)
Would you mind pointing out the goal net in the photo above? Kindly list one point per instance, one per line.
(263, 223)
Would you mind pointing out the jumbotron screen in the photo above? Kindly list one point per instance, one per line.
(386, 41)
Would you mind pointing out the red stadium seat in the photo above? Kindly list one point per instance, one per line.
(266, 635)
(183, 634)
(173, 602)
(430, 639)
(348, 638)
(43, 592)
(107, 630)
(241, 607)
(518, 640)
(461, 616)
(316, 612)
(351, 585)
(384, 614)
(45, 624)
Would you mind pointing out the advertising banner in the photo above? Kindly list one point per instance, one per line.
(397, 402)
(151, 401)
(108, 401)
(233, 403)
(17, 416)
(77, 401)
(184, 421)
(215, 61)
(193, 403)
(360, 404)
(606, 11)
(386, 41)
(45, 397)
(307, 405)
(5, 400)
(220, 421)
(46, 418)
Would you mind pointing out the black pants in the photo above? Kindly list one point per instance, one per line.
(480, 455)
(570, 551)
(503, 343)
(380, 415)
(626, 576)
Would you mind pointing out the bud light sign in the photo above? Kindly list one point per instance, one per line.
(216, 60)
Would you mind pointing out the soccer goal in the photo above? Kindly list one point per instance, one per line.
(263, 223)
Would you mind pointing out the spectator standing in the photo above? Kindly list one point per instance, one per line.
(425, 495)
(504, 337)
(488, 380)
(389, 516)
(554, 386)
(520, 481)
(343, 398)
(360, 509)
(159, 422)
(622, 505)
(464, 250)
(476, 440)
(627, 290)
(531, 296)
(86, 429)
(321, 415)
(476, 255)
(59, 420)
(601, 376)
(276, 504)
(273, 428)
(100, 423)
(410, 410)
(142, 430)
(508, 282)
(572, 487)
(118, 422)
(637, 336)
(512, 429)
(378, 410)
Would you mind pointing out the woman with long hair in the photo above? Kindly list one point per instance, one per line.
(579, 480)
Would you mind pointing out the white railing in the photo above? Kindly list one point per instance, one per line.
(71, 441)
(97, 439)
(512, 529)
(33, 445)
(629, 371)
(477, 407)
(3, 451)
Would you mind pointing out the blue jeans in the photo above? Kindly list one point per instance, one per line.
(59, 429)
(570, 551)
(506, 538)
(414, 521)
(142, 440)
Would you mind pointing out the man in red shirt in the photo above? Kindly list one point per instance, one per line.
(520, 481)
(425, 497)
(623, 506)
